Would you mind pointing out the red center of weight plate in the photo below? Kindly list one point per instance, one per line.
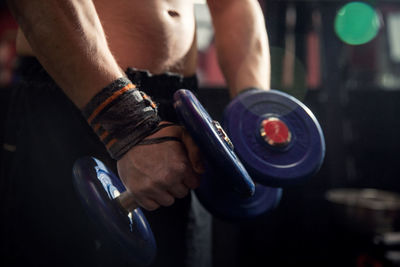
(275, 132)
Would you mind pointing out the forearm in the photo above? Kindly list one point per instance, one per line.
(242, 43)
(68, 40)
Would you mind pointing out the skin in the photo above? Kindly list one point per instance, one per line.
(104, 37)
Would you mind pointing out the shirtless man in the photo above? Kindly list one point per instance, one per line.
(87, 45)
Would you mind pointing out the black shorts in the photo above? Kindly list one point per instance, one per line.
(43, 221)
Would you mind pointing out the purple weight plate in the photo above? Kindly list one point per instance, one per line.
(213, 143)
(226, 205)
(98, 187)
(290, 162)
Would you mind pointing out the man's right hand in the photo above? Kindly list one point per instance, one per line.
(156, 174)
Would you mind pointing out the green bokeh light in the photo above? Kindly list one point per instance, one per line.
(357, 23)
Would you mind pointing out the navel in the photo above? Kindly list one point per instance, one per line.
(173, 13)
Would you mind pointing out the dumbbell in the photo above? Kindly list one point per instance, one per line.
(277, 139)
(107, 202)
(226, 189)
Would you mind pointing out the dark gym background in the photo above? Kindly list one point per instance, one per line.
(358, 114)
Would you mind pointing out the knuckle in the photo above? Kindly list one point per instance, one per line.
(144, 190)
(180, 167)
(171, 180)
(165, 182)
(160, 182)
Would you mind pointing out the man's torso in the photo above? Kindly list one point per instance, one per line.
(156, 35)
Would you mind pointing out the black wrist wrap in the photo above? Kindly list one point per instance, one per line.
(121, 116)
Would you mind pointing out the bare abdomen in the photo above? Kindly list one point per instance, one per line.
(156, 35)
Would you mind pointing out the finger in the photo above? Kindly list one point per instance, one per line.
(179, 190)
(163, 198)
(189, 177)
(193, 151)
(152, 197)
(148, 204)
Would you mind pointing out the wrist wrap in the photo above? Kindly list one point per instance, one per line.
(121, 116)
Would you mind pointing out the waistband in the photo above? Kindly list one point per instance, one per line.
(162, 85)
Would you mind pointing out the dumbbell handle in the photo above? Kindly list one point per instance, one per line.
(126, 201)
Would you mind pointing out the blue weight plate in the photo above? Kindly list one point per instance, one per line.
(290, 162)
(213, 143)
(226, 205)
(98, 187)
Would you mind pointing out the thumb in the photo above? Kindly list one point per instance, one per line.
(194, 153)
